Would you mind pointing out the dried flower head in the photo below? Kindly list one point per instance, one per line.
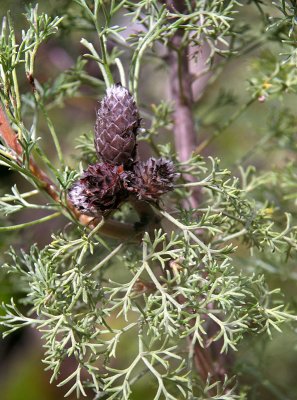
(151, 179)
(116, 127)
(99, 190)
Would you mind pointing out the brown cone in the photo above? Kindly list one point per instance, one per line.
(151, 179)
(99, 190)
(116, 127)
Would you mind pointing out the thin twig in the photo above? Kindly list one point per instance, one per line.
(30, 223)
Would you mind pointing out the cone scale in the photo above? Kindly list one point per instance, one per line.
(116, 127)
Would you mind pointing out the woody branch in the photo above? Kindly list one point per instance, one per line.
(110, 228)
(208, 361)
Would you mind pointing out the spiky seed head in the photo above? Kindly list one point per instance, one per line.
(151, 179)
(99, 190)
(116, 127)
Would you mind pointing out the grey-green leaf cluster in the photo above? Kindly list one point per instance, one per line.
(147, 310)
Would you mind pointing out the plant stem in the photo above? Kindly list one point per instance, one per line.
(186, 142)
(51, 129)
(8, 135)
(147, 215)
(30, 223)
(110, 228)
(184, 131)
(181, 92)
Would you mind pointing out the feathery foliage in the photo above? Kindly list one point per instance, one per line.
(183, 282)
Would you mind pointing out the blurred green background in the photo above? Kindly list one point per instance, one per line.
(22, 374)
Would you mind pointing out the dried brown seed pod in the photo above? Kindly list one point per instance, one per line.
(151, 179)
(116, 127)
(99, 190)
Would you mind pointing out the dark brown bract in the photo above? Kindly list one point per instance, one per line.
(151, 179)
(99, 190)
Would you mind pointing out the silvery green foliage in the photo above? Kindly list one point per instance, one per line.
(89, 296)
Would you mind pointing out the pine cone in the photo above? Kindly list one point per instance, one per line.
(99, 190)
(116, 127)
(151, 179)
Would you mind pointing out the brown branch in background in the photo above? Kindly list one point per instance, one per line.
(148, 218)
(208, 361)
(110, 228)
(185, 135)
(181, 92)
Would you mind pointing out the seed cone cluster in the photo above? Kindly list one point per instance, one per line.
(105, 185)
